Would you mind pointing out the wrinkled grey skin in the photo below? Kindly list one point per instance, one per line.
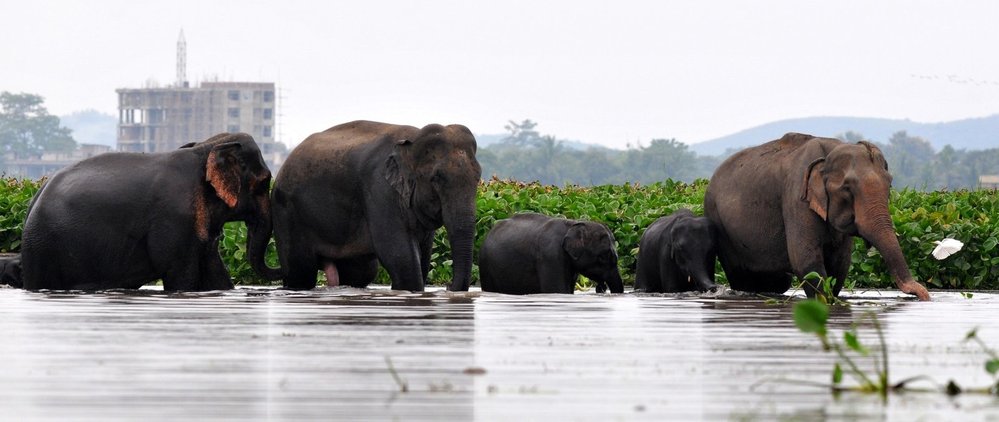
(677, 254)
(121, 220)
(533, 253)
(364, 193)
(793, 205)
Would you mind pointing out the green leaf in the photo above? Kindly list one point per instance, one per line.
(989, 244)
(992, 366)
(850, 338)
(811, 316)
(971, 334)
(812, 276)
(837, 376)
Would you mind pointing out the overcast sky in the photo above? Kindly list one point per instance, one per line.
(607, 72)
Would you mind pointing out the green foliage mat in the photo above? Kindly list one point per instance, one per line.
(920, 218)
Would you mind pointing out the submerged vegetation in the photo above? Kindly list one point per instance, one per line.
(920, 219)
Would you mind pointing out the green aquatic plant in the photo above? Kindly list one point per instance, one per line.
(991, 364)
(812, 317)
(583, 283)
(920, 218)
(15, 195)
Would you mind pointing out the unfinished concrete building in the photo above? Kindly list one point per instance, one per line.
(163, 119)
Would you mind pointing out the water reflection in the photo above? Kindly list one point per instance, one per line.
(254, 354)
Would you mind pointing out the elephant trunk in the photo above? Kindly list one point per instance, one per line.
(880, 232)
(460, 225)
(258, 235)
(702, 281)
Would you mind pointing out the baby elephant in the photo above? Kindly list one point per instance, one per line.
(676, 254)
(10, 269)
(532, 253)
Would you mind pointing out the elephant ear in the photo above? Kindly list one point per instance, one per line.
(399, 174)
(574, 241)
(222, 171)
(813, 190)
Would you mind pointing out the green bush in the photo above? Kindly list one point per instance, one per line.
(15, 195)
(920, 218)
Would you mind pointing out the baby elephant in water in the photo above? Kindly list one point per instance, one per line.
(676, 254)
(10, 269)
(533, 253)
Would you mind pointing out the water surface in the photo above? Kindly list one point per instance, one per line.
(261, 354)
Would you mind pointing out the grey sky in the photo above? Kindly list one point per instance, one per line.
(604, 72)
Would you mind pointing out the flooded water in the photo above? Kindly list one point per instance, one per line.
(258, 354)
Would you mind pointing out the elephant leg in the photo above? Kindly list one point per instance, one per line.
(805, 253)
(214, 274)
(838, 263)
(555, 280)
(357, 272)
(184, 274)
(301, 267)
(744, 280)
(671, 278)
(738, 278)
(426, 248)
(646, 277)
(400, 257)
(772, 282)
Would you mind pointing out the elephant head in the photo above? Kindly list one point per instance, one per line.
(437, 178)
(693, 249)
(237, 175)
(590, 248)
(849, 189)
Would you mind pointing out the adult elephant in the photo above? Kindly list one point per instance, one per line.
(793, 205)
(366, 192)
(121, 220)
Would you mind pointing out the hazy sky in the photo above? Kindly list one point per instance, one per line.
(609, 72)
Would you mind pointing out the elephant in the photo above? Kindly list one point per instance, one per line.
(533, 253)
(793, 205)
(121, 220)
(676, 254)
(363, 193)
(10, 269)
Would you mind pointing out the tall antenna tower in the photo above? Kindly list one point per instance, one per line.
(181, 61)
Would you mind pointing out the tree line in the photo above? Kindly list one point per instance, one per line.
(525, 154)
(28, 130)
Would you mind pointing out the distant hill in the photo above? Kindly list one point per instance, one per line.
(92, 127)
(971, 134)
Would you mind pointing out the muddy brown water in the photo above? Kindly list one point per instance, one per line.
(261, 354)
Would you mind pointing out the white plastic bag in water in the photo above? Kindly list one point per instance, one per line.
(946, 247)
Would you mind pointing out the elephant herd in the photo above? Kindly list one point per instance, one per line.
(365, 193)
